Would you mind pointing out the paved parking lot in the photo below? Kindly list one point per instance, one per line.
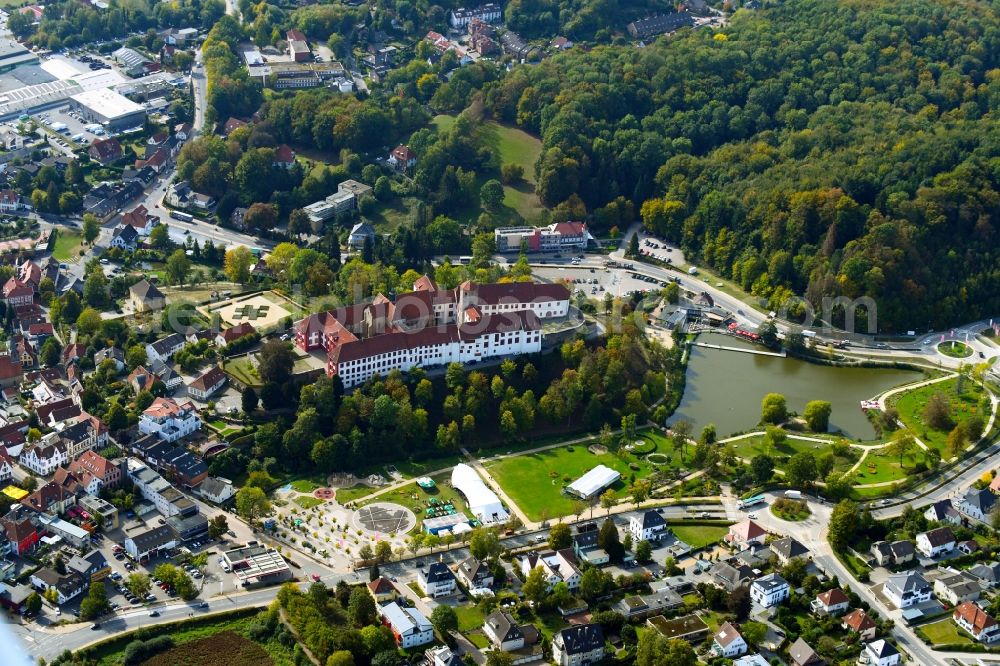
(595, 282)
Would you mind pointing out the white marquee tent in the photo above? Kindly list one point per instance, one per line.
(483, 502)
(593, 482)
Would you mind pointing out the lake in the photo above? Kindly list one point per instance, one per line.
(726, 388)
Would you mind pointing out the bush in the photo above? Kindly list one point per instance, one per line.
(139, 651)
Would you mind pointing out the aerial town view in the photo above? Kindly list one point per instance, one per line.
(395, 333)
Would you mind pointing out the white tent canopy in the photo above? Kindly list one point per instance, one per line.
(593, 482)
(483, 502)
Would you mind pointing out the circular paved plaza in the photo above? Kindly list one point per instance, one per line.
(384, 518)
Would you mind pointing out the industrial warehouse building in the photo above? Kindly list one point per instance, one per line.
(13, 55)
(109, 108)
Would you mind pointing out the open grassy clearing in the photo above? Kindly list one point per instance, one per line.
(307, 501)
(67, 245)
(393, 214)
(944, 632)
(911, 404)
(535, 481)
(699, 536)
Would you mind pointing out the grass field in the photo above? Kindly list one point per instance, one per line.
(393, 214)
(535, 481)
(944, 632)
(345, 495)
(754, 446)
(304, 485)
(469, 617)
(416, 499)
(239, 651)
(512, 146)
(307, 501)
(68, 243)
(241, 369)
(699, 536)
(911, 406)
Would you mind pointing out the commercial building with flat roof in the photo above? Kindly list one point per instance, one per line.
(109, 108)
(13, 55)
(255, 565)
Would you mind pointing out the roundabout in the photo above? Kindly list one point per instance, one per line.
(955, 349)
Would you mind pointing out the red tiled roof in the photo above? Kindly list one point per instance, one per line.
(106, 149)
(858, 620)
(9, 367)
(237, 332)
(974, 615)
(14, 288)
(93, 463)
(284, 154)
(833, 597)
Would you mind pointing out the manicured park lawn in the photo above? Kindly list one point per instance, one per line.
(535, 481)
(241, 369)
(304, 485)
(911, 404)
(67, 247)
(345, 495)
(754, 446)
(944, 632)
(699, 536)
(307, 501)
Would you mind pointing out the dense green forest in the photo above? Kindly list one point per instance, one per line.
(816, 147)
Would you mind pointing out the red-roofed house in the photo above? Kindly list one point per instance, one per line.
(16, 292)
(10, 201)
(93, 465)
(157, 161)
(106, 151)
(20, 531)
(974, 620)
(139, 219)
(831, 602)
(11, 371)
(284, 157)
(745, 533)
(233, 124)
(859, 622)
(234, 333)
(402, 158)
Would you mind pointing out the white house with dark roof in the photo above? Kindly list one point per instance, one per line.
(943, 511)
(907, 589)
(559, 567)
(977, 503)
(437, 580)
(164, 348)
(474, 574)
(579, 645)
(954, 587)
(769, 590)
(503, 631)
(650, 526)
(880, 653)
(408, 625)
(988, 574)
(936, 542)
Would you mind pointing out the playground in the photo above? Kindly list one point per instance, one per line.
(263, 310)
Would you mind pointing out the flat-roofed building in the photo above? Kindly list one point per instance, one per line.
(255, 565)
(14, 55)
(109, 108)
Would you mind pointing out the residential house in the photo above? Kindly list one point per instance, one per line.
(975, 620)
(10, 202)
(67, 586)
(144, 297)
(907, 589)
(977, 503)
(108, 474)
(860, 623)
(402, 158)
(730, 577)
(831, 602)
(113, 354)
(17, 292)
(754, 556)
(234, 333)
(11, 371)
(880, 653)
(585, 546)
(578, 645)
(207, 383)
(164, 348)
(125, 238)
(769, 590)
(892, 554)
(51, 498)
(728, 642)
(650, 526)
(943, 511)
(6, 466)
(474, 574)
(216, 489)
(107, 511)
(442, 655)
(141, 379)
(383, 590)
(437, 580)
(988, 574)
(139, 219)
(106, 151)
(360, 233)
(802, 654)
(408, 625)
(284, 157)
(503, 631)
(787, 549)
(236, 218)
(659, 24)
(647, 605)
(751, 660)
(149, 543)
(744, 533)
(969, 546)
(167, 375)
(559, 567)
(936, 542)
(43, 459)
(20, 530)
(954, 587)
(169, 420)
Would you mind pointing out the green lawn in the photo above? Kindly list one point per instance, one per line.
(955, 349)
(304, 485)
(469, 617)
(535, 481)
(754, 446)
(944, 632)
(67, 247)
(416, 499)
(393, 214)
(699, 536)
(345, 495)
(911, 406)
(307, 501)
(241, 369)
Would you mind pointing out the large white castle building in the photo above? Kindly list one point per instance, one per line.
(432, 327)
